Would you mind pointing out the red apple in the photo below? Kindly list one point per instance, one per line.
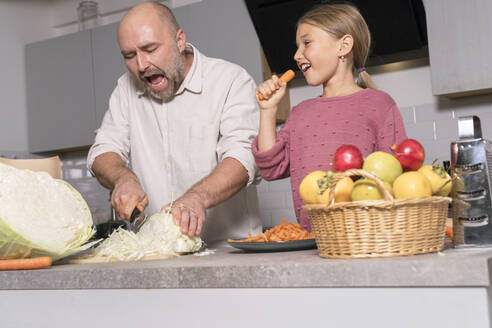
(347, 157)
(409, 153)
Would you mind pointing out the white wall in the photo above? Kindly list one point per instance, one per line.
(21, 22)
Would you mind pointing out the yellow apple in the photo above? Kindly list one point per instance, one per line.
(437, 177)
(412, 184)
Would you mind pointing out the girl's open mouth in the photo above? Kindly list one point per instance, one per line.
(304, 67)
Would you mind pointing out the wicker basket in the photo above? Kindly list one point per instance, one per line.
(378, 228)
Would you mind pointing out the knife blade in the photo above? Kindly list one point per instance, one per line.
(135, 224)
(133, 220)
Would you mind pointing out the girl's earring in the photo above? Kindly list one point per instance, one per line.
(342, 58)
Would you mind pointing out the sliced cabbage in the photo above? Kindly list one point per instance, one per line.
(40, 215)
(158, 236)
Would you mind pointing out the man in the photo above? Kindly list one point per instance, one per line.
(183, 123)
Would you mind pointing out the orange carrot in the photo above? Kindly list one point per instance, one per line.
(449, 232)
(25, 264)
(286, 77)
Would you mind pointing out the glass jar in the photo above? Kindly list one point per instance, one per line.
(88, 15)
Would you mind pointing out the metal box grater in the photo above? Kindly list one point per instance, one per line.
(471, 156)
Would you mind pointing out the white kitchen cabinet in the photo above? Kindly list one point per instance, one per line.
(68, 83)
(459, 46)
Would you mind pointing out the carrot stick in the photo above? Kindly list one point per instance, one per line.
(449, 232)
(25, 264)
(286, 77)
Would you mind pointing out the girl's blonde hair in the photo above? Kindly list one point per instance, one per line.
(339, 20)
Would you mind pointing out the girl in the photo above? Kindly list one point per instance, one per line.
(333, 43)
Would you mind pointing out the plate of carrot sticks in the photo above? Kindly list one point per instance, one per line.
(287, 236)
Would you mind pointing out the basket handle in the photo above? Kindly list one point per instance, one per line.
(442, 186)
(357, 172)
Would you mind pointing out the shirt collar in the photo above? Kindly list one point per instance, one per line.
(192, 81)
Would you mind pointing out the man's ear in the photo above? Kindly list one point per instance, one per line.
(346, 43)
(181, 40)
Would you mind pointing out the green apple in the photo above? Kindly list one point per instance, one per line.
(384, 165)
(365, 189)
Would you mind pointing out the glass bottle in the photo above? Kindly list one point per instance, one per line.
(88, 15)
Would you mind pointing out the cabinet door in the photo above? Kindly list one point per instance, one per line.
(108, 66)
(459, 46)
(60, 93)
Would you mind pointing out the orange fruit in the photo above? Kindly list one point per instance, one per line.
(309, 187)
(315, 188)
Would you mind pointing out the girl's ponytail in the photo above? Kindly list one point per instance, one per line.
(364, 80)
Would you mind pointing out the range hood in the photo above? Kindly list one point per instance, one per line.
(398, 29)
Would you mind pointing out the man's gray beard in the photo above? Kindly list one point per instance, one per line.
(174, 82)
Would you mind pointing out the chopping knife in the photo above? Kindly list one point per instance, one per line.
(104, 230)
(134, 217)
(134, 224)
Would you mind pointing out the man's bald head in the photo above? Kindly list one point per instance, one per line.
(146, 11)
(153, 47)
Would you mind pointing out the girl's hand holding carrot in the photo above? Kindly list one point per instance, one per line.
(270, 92)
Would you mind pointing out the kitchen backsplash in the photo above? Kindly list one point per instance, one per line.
(75, 172)
(434, 127)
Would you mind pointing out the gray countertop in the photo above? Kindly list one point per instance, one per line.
(232, 268)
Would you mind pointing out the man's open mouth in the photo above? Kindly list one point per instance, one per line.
(155, 81)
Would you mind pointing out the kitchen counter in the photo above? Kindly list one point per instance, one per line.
(232, 268)
(231, 288)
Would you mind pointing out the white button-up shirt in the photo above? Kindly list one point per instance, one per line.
(172, 145)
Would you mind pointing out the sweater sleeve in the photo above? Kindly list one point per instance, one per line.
(392, 129)
(274, 163)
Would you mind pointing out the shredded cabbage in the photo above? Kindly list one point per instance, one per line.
(159, 235)
(40, 215)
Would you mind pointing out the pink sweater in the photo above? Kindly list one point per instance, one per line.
(368, 119)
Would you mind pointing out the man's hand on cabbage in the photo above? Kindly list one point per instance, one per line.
(189, 213)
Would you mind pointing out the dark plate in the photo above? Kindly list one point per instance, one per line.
(275, 246)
